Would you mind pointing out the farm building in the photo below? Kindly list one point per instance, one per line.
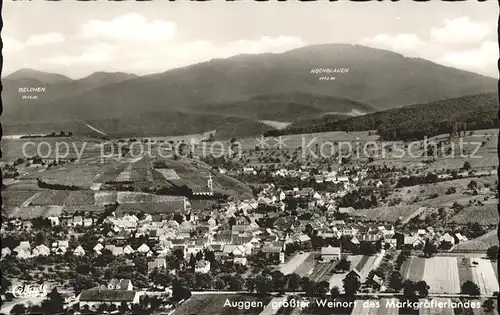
(330, 253)
(354, 273)
(157, 263)
(120, 284)
(97, 296)
(202, 266)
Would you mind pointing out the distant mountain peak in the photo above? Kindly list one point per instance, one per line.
(44, 77)
(100, 74)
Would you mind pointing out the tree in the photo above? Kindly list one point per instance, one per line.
(489, 305)
(429, 248)
(366, 248)
(250, 284)
(40, 238)
(466, 166)
(470, 288)
(351, 285)
(409, 289)
(309, 287)
(293, 281)
(18, 309)
(335, 292)
(422, 288)
(343, 265)
(235, 283)
(82, 282)
(492, 252)
(396, 281)
(472, 184)
(278, 281)
(180, 292)
(220, 284)
(262, 285)
(123, 308)
(178, 254)
(322, 288)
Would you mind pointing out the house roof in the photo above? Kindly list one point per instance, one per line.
(202, 264)
(107, 295)
(378, 280)
(369, 237)
(121, 283)
(354, 272)
(330, 251)
(271, 249)
(157, 263)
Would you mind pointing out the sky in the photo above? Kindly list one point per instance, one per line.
(79, 38)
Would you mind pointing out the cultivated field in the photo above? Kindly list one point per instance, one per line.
(369, 307)
(50, 197)
(168, 173)
(213, 304)
(437, 310)
(389, 214)
(291, 265)
(305, 266)
(484, 276)
(322, 271)
(487, 214)
(481, 243)
(464, 269)
(48, 148)
(124, 197)
(413, 268)
(441, 274)
(15, 198)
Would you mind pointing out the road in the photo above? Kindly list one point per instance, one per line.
(274, 306)
(102, 133)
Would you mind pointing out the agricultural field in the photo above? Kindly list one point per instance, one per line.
(413, 268)
(49, 148)
(32, 212)
(441, 274)
(124, 197)
(481, 243)
(150, 207)
(80, 175)
(304, 267)
(408, 194)
(388, 214)
(50, 197)
(296, 140)
(80, 197)
(111, 172)
(15, 198)
(124, 176)
(322, 271)
(297, 260)
(168, 173)
(436, 310)
(213, 304)
(105, 197)
(366, 307)
(484, 276)
(487, 214)
(464, 269)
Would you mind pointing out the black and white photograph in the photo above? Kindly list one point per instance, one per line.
(249, 158)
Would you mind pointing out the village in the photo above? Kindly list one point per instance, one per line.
(304, 233)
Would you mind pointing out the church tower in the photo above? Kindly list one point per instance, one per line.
(210, 184)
